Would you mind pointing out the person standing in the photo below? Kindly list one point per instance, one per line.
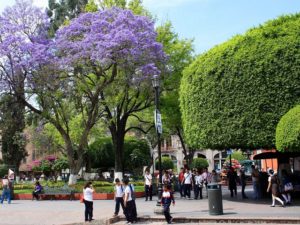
(88, 191)
(37, 190)
(119, 194)
(274, 186)
(5, 190)
(187, 184)
(215, 178)
(166, 199)
(129, 204)
(287, 187)
(205, 180)
(181, 182)
(148, 185)
(243, 182)
(232, 177)
(255, 182)
(198, 185)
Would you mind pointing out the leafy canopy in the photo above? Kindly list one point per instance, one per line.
(288, 131)
(234, 95)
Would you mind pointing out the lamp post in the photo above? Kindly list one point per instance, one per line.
(158, 127)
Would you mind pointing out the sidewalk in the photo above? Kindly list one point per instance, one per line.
(27, 212)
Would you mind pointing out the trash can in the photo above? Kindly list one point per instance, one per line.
(215, 204)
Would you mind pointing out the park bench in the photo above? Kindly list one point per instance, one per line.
(55, 191)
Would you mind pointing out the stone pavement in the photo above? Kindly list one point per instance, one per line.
(27, 212)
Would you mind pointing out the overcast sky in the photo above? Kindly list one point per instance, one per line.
(210, 22)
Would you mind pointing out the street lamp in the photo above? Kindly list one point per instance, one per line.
(158, 127)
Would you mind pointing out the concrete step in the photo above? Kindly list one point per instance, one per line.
(210, 220)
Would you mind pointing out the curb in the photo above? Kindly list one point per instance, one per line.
(215, 220)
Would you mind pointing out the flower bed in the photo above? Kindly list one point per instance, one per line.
(97, 196)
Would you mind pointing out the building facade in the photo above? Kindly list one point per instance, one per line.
(172, 148)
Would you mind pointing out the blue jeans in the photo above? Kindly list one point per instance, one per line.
(5, 194)
(119, 201)
(256, 189)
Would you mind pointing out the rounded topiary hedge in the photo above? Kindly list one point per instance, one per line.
(235, 94)
(199, 163)
(288, 131)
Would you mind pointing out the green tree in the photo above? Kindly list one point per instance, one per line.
(101, 153)
(237, 155)
(12, 125)
(288, 131)
(234, 95)
(199, 163)
(166, 163)
(64, 10)
(180, 53)
(136, 153)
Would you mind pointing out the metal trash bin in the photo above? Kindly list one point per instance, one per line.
(215, 203)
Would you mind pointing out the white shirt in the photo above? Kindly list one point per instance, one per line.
(187, 178)
(88, 194)
(128, 193)
(119, 191)
(166, 194)
(199, 180)
(148, 179)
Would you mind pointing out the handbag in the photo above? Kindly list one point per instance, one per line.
(288, 187)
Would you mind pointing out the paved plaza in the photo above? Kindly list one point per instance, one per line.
(26, 212)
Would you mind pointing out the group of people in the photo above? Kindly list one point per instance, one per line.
(195, 180)
(124, 197)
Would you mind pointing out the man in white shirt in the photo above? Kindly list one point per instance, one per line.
(148, 185)
(187, 183)
(198, 185)
(119, 194)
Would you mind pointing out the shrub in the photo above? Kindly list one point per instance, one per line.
(199, 163)
(234, 95)
(166, 163)
(288, 131)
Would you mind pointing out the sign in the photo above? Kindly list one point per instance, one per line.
(157, 121)
(229, 151)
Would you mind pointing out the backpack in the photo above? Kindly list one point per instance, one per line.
(132, 193)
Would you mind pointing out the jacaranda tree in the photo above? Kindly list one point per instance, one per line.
(67, 75)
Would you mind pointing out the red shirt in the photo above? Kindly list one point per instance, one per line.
(181, 176)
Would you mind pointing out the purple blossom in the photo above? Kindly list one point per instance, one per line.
(113, 36)
(23, 31)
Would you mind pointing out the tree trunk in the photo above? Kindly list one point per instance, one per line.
(75, 163)
(119, 155)
(118, 136)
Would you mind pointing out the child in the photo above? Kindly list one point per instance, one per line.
(166, 199)
(119, 194)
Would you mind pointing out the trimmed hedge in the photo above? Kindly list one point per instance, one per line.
(199, 163)
(288, 131)
(234, 95)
